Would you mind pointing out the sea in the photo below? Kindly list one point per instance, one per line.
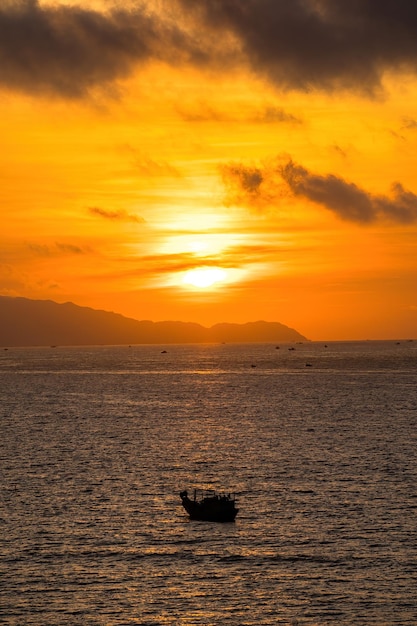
(317, 441)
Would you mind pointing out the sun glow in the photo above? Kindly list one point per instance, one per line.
(204, 277)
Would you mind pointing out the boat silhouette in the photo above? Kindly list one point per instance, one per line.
(209, 506)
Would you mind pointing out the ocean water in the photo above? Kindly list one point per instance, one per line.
(318, 443)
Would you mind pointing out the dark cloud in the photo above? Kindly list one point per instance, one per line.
(250, 178)
(263, 186)
(67, 50)
(70, 50)
(118, 216)
(325, 44)
(349, 201)
(257, 187)
(401, 206)
(345, 199)
(295, 44)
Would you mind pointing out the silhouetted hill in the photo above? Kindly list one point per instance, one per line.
(25, 322)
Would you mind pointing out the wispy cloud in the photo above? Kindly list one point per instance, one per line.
(203, 112)
(409, 124)
(232, 257)
(269, 114)
(68, 248)
(266, 185)
(120, 215)
(58, 249)
(275, 115)
(150, 167)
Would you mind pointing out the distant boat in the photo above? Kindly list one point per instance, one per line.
(208, 506)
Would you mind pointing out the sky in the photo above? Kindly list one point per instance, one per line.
(213, 161)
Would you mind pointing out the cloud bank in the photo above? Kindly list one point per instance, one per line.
(265, 186)
(325, 44)
(69, 50)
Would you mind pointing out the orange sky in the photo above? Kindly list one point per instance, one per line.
(239, 161)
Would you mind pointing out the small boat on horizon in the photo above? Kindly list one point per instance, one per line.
(209, 506)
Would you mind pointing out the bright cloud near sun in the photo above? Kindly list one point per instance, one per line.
(204, 277)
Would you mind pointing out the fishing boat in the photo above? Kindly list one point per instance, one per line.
(209, 506)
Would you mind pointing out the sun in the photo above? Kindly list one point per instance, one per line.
(204, 277)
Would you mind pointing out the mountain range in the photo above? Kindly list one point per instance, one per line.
(25, 322)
